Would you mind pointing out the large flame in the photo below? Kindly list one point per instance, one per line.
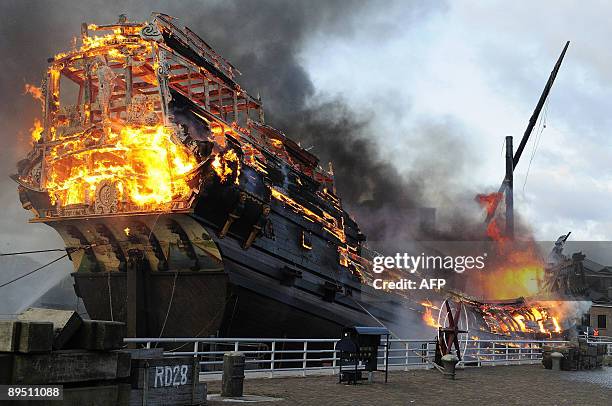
(147, 166)
(37, 130)
(428, 317)
(535, 317)
(516, 269)
(222, 165)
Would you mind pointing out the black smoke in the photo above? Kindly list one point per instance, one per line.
(263, 39)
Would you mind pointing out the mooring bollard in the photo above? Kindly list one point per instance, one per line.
(233, 374)
(556, 361)
(449, 362)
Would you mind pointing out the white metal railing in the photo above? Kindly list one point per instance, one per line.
(289, 356)
(600, 340)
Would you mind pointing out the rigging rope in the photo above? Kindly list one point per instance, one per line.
(536, 142)
(169, 306)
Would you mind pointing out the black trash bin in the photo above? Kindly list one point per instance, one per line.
(358, 350)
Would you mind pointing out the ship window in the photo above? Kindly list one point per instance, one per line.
(601, 321)
(306, 240)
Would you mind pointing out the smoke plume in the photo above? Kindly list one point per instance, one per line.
(263, 39)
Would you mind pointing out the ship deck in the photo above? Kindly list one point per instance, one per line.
(507, 385)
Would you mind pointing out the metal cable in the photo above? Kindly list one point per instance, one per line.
(32, 252)
(35, 270)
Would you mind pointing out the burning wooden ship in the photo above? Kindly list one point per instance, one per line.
(183, 213)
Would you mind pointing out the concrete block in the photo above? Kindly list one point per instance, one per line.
(144, 353)
(6, 369)
(65, 322)
(9, 335)
(124, 364)
(99, 335)
(66, 366)
(35, 337)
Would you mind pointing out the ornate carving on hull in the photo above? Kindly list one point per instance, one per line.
(106, 198)
(163, 70)
(150, 32)
(73, 119)
(141, 110)
(106, 78)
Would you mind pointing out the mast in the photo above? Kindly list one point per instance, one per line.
(532, 122)
(509, 185)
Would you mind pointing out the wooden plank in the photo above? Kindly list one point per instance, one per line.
(65, 322)
(66, 366)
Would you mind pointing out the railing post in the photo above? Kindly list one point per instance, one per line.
(507, 353)
(196, 346)
(236, 346)
(334, 359)
(272, 357)
(478, 347)
(406, 355)
(386, 354)
(305, 358)
(148, 344)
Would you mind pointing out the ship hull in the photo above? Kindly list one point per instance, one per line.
(257, 294)
(195, 309)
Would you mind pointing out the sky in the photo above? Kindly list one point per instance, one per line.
(482, 66)
(437, 85)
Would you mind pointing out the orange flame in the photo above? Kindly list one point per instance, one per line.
(34, 91)
(222, 167)
(429, 319)
(517, 269)
(37, 130)
(146, 165)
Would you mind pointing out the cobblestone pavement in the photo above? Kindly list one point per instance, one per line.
(500, 385)
(599, 377)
